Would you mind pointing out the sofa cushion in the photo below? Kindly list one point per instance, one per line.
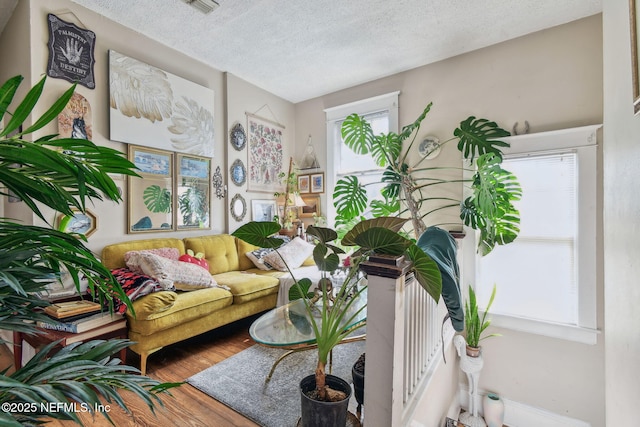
(247, 286)
(243, 247)
(219, 250)
(187, 306)
(154, 303)
(292, 254)
(171, 253)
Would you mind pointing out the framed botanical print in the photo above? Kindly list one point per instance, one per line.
(193, 191)
(263, 210)
(303, 184)
(151, 194)
(317, 182)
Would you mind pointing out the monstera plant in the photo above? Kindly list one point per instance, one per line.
(407, 191)
(61, 174)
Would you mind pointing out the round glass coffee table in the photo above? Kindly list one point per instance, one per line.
(289, 327)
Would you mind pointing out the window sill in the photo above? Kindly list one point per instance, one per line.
(554, 330)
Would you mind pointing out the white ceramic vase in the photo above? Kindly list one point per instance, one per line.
(493, 408)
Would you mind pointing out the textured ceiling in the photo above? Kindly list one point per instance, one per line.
(300, 49)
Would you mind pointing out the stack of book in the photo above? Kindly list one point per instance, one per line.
(81, 320)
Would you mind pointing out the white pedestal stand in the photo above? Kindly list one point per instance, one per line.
(472, 367)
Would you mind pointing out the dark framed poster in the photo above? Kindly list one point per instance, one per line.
(71, 52)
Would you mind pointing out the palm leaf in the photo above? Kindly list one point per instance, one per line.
(7, 91)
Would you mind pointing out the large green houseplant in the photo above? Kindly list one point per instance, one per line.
(62, 174)
(331, 313)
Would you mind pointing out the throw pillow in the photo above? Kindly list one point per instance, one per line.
(134, 285)
(183, 275)
(257, 256)
(293, 253)
(171, 253)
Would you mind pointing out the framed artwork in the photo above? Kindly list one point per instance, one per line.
(263, 210)
(238, 173)
(238, 137)
(193, 192)
(238, 207)
(317, 182)
(634, 14)
(303, 184)
(154, 108)
(71, 52)
(75, 120)
(312, 207)
(85, 223)
(151, 194)
(264, 157)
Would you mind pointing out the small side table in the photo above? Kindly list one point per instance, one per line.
(48, 336)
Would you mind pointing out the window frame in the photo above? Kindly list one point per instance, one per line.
(385, 102)
(582, 141)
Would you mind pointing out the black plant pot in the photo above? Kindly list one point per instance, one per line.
(316, 413)
(357, 373)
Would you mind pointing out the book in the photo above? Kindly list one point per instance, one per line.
(82, 324)
(67, 338)
(71, 308)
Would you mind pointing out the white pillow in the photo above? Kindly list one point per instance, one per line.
(294, 254)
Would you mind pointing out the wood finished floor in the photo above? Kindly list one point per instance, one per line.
(187, 406)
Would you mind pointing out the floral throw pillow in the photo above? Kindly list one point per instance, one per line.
(293, 254)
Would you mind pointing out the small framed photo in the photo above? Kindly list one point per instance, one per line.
(312, 206)
(303, 184)
(317, 182)
(85, 223)
(263, 210)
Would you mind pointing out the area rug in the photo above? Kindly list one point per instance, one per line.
(239, 381)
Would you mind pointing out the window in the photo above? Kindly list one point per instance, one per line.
(546, 279)
(382, 113)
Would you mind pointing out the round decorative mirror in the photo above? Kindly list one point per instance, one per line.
(238, 172)
(238, 137)
(238, 207)
(429, 148)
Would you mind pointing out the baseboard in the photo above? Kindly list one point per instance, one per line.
(518, 414)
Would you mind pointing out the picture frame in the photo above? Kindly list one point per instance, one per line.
(634, 14)
(80, 223)
(150, 196)
(303, 184)
(312, 207)
(264, 154)
(263, 210)
(317, 183)
(193, 192)
(238, 208)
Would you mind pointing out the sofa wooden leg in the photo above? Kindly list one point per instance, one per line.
(143, 364)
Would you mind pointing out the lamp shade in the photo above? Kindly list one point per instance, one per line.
(297, 201)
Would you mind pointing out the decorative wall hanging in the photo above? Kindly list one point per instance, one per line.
(238, 207)
(238, 173)
(70, 52)
(218, 183)
(263, 210)
(75, 120)
(310, 159)
(265, 154)
(429, 148)
(154, 108)
(85, 223)
(151, 194)
(317, 182)
(194, 200)
(238, 137)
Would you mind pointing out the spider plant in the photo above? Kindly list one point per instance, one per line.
(61, 174)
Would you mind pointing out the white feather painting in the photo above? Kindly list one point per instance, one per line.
(154, 108)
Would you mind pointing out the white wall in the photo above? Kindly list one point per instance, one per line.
(552, 79)
(621, 220)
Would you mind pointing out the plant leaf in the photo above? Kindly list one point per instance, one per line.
(157, 199)
(357, 134)
(257, 233)
(478, 136)
(394, 224)
(349, 198)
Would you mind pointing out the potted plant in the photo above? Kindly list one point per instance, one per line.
(61, 174)
(329, 313)
(476, 324)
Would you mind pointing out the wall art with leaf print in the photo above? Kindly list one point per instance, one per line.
(154, 108)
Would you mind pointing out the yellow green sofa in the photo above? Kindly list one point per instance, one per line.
(167, 317)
